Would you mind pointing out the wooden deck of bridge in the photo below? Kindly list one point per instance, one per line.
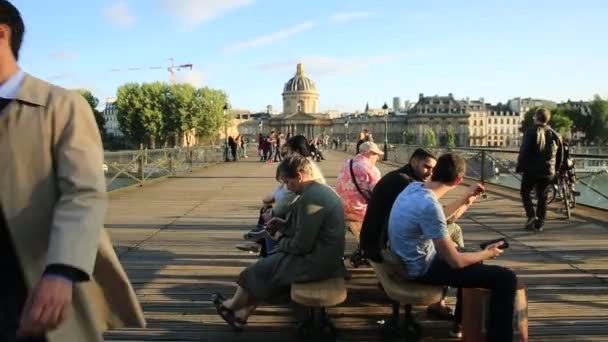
(176, 240)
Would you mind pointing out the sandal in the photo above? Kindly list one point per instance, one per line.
(440, 312)
(227, 315)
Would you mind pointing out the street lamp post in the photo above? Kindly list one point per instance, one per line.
(226, 148)
(385, 108)
(346, 136)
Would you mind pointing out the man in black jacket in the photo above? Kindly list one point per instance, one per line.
(540, 158)
(374, 229)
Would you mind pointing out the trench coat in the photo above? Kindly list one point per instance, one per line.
(53, 197)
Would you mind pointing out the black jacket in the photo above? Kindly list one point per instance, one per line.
(374, 231)
(539, 163)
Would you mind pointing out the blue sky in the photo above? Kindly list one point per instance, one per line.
(355, 50)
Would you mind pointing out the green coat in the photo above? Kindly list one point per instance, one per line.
(311, 248)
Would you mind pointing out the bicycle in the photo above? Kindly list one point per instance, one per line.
(564, 189)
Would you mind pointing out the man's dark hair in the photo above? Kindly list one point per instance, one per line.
(422, 153)
(449, 168)
(10, 16)
(291, 166)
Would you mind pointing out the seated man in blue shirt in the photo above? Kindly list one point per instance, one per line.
(418, 234)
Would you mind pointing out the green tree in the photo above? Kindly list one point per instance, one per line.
(211, 102)
(598, 130)
(94, 102)
(430, 139)
(153, 113)
(129, 106)
(181, 111)
(451, 137)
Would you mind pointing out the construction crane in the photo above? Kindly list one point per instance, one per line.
(171, 68)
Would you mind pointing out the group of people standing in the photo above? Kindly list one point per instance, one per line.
(269, 146)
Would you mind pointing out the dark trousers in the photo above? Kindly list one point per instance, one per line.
(13, 292)
(277, 154)
(500, 280)
(540, 185)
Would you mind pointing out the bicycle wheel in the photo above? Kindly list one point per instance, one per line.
(566, 198)
(571, 196)
(551, 194)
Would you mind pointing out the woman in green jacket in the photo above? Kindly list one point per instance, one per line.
(310, 246)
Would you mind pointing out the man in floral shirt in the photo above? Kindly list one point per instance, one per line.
(355, 193)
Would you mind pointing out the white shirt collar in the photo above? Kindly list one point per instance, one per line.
(10, 88)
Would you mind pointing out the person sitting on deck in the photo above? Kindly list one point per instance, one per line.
(418, 235)
(374, 236)
(310, 246)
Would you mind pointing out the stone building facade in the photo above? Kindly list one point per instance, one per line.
(441, 115)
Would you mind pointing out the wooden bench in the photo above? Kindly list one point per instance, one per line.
(316, 297)
(402, 291)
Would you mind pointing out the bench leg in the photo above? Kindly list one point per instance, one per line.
(317, 323)
(412, 329)
(390, 327)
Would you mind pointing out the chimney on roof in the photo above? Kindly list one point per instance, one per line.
(451, 95)
(420, 96)
(482, 100)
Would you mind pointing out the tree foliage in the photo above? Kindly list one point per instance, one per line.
(430, 139)
(451, 137)
(94, 102)
(598, 130)
(154, 113)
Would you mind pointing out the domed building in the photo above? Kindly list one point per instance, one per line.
(301, 108)
(300, 94)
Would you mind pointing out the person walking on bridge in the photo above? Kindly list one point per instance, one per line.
(62, 281)
(540, 158)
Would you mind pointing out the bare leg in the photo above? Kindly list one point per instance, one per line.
(240, 300)
(245, 312)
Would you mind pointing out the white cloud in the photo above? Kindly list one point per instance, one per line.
(348, 16)
(119, 15)
(270, 38)
(194, 78)
(194, 12)
(63, 55)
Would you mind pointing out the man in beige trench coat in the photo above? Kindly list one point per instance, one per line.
(62, 281)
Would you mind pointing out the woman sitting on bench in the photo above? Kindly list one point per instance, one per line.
(310, 246)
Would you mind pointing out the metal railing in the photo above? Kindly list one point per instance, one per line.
(497, 166)
(128, 168)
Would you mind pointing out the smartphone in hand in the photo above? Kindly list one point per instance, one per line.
(504, 245)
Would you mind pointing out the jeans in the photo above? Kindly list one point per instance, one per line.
(500, 280)
(540, 185)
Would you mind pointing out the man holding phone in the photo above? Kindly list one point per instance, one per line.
(418, 234)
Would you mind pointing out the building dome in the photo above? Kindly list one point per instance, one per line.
(300, 83)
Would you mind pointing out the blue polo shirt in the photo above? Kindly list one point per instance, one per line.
(416, 219)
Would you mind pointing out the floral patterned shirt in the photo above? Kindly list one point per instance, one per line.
(367, 175)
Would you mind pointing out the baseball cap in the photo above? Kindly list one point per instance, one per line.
(372, 147)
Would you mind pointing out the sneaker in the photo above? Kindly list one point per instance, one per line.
(530, 223)
(538, 226)
(256, 235)
(248, 246)
(456, 331)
